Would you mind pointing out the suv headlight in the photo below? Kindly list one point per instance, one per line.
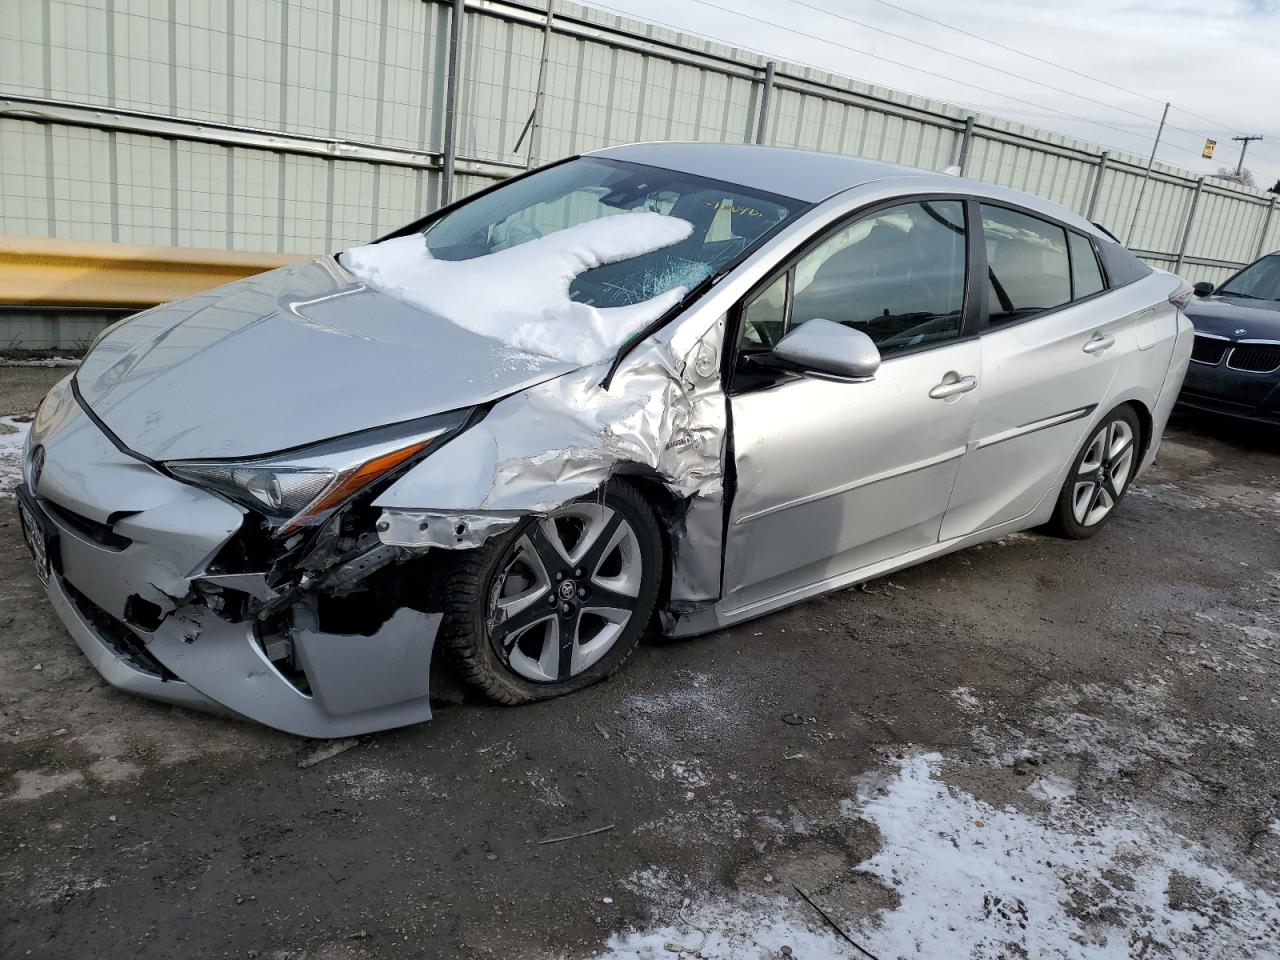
(304, 486)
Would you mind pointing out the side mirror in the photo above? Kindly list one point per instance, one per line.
(829, 350)
(1203, 289)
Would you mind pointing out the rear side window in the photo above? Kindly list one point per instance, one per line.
(1122, 266)
(1028, 267)
(1086, 275)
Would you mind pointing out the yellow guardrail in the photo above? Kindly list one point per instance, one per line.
(39, 272)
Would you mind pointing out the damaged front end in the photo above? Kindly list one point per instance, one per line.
(304, 621)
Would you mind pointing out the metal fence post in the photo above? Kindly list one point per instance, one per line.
(451, 103)
(764, 100)
(1186, 231)
(965, 140)
(1097, 184)
(1266, 226)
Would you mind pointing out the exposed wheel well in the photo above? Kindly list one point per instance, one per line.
(1146, 423)
(669, 509)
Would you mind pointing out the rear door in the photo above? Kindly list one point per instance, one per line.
(832, 476)
(1051, 347)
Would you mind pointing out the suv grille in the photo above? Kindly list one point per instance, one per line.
(1209, 350)
(1255, 358)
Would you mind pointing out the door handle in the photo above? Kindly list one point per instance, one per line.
(1100, 342)
(952, 388)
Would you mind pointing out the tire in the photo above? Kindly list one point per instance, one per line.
(1099, 476)
(500, 622)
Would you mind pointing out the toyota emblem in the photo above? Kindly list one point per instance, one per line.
(37, 467)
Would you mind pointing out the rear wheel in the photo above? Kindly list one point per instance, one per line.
(1099, 476)
(560, 602)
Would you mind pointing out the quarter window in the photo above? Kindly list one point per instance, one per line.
(764, 319)
(898, 275)
(1028, 268)
(1086, 275)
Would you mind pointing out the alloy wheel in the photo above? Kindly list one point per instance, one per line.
(564, 592)
(1103, 473)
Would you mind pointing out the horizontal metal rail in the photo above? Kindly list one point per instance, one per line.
(1194, 261)
(38, 272)
(182, 128)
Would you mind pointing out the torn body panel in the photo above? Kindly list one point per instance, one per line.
(663, 415)
(153, 597)
(354, 683)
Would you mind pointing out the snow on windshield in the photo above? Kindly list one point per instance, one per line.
(520, 295)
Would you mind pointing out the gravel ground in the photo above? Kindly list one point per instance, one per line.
(1034, 748)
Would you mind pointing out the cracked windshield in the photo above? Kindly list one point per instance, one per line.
(727, 221)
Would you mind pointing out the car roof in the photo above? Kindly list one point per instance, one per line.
(811, 176)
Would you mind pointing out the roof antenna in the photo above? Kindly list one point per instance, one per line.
(951, 171)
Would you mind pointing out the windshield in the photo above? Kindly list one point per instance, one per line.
(727, 220)
(1259, 281)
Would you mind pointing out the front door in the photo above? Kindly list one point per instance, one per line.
(832, 476)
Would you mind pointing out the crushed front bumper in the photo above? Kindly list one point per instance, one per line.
(124, 543)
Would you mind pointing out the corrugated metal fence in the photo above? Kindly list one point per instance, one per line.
(300, 126)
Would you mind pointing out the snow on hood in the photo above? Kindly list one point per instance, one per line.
(520, 295)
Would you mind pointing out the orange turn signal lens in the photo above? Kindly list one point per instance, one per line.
(353, 480)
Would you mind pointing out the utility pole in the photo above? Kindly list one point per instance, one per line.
(450, 152)
(1244, 145)
(1137, 208)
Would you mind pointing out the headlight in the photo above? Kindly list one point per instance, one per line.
(304, 486)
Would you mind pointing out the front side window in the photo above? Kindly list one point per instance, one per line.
(1258, 281)
(898, 275)
(727, 221)
(1028, 268)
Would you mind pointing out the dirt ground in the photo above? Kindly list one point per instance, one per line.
(1032, 748)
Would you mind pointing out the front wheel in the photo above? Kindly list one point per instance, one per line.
(560, 602)
(1099, 477)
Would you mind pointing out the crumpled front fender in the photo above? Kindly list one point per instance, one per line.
(552, 443)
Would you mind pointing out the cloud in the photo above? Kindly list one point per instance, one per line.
(1210, 61)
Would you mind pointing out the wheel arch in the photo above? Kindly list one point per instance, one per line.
(669, 509)
(1146, 424)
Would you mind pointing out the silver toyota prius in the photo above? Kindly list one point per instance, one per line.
(668, 384)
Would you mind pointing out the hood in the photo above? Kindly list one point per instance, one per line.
(288, 358)
(1236, 318)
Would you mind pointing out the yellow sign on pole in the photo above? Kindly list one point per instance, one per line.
(1208, 149)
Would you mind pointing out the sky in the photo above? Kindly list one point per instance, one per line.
(1215, 62)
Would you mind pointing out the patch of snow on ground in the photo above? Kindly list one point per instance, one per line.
(39, 362)
(1051, 788)
(520, 295)
(976, 881)
(13, 434)
(964, 697)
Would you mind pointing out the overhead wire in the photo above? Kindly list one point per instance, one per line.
(1218, 125)
(1047, 111)
(907, 66)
